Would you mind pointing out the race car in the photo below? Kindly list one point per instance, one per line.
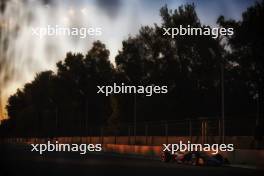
(196, 158)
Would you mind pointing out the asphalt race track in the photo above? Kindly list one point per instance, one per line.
(20, 161)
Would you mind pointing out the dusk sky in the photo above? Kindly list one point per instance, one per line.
(26, 55)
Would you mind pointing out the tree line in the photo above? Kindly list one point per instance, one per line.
(65, 102)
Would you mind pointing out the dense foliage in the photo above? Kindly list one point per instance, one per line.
(66, 102)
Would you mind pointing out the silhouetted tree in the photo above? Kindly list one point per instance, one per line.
(246, 52)
(66, 103)
(185, 64)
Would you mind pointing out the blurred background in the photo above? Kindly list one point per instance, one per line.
(48, 85)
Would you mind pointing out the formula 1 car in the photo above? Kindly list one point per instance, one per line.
(196, 158)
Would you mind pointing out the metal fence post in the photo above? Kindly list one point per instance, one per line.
(166, 132)
(129, 134)
(90, 135)
(190, 130)
(219, 130)
(146, 133)
(102, 135)
(202, 132)
(135, 118)
(205, 131)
